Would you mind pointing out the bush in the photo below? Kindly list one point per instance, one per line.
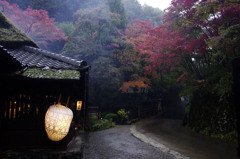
(100, 124)
(231, 136)
(93, 119)
(111, 117)
(122, 116)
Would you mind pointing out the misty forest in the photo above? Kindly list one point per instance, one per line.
(140, 54)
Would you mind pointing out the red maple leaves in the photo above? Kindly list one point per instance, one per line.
(189, 27)
(138, 85)
(161, 48)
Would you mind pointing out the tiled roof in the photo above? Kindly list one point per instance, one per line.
(37, 58)
(19, 51)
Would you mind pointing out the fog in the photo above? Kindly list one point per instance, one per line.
(94, 32)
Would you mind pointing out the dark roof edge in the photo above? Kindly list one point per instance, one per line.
(5, 51)
(56, 56)
(84, 68)
(17, 44)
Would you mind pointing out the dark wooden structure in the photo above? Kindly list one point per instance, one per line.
(24, 101)
(236, 89)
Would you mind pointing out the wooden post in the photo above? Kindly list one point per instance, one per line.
(236, 89)
(161, 93)
(85, 103)
(139, 112)
(2, 112)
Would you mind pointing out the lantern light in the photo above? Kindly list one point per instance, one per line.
(79, 105)
(58, 119)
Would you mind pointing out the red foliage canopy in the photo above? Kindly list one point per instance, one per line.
(137, 84)
(189, 26)
(161, 48)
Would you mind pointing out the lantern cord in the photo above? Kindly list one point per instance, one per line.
(67, 101)
(59, 102)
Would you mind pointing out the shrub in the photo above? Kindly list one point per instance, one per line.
(100, 124)
(231, 136)
(122, 116)
(93, 119)
(111, 117)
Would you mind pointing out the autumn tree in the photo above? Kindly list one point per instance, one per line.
(131, 63)
(60, 10)
(211, 27)
(202, 37)
(35, 23)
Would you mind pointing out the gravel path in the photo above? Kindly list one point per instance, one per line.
(119, 143)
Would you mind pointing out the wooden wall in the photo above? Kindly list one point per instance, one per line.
(23, 105)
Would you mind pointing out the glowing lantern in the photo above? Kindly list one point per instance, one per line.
(79, 105)
(58, 119)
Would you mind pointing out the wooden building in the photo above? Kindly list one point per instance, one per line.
(25, 97)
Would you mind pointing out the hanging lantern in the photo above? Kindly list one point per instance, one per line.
(79, 105)
(58, 119)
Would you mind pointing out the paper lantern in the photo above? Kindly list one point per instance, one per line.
(58, 119)
(79, 105)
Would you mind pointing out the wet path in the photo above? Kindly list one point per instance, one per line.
(119, 143)
(172, 134)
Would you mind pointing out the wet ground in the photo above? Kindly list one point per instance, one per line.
(171, 133)
(119, 143)
(155, 138)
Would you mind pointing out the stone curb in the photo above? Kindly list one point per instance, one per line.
(154, 143)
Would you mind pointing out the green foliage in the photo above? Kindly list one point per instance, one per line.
(231, 136)
(94, 40)
(187, 109)
(205, 131)
(105, 73)
(171, 77)
(51, 73)
(100, 124)
(223, 88)
(152, 14)
(92, 36)
(116, 7)
(122, 115)
(134, 10)
(211, 101)
(111, 117)
(206, 111)
(93, 119)
(67, 27)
